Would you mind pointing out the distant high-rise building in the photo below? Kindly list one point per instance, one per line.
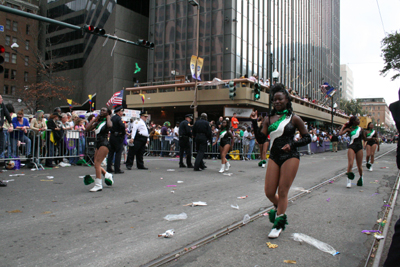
(346, 84)
(300, 38)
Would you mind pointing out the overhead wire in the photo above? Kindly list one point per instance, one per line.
(383, 26)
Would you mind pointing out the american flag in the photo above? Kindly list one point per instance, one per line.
(116, 99)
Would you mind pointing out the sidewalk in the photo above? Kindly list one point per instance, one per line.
(332, 214)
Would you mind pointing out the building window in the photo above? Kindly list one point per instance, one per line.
(26, 60)
(14, 40)
(13, 90)
(6, 73)
(379, 108)
(15, 26)
(27, 45)
(8, 39)
(7, 57)
(14, 58)
(5, 89)
(25, 76)
(8, 24)
(28, 28)
(13, 74)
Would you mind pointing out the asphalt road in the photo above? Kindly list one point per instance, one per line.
(58, 222)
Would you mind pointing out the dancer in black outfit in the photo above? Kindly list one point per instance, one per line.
(357, 134)
(262, 141)
(101, 126)
(371, 146)
(225, 144)
(284, 159)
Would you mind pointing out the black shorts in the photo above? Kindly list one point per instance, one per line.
(282, 157)
(224, 142)
(102, 143)
(356, 147)
(371, 143)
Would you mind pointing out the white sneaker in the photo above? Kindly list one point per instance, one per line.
(263, 165)
(222, 168)
(274, 233)
(348, 183)
(63, 164)
(227, 165)
(108, 179)
(370, 169)
(98, 185)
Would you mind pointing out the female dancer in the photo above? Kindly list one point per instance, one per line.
(371, 145)
(101, 126)
(355, 148)
(262, 141)
(284, 159)
(225, 144)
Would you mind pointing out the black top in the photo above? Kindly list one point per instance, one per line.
(57, 134)
(184, 129)
(103, 134)
(395, 110)
(260, 137)
(118, 125)
(202, 127)
(4, 112)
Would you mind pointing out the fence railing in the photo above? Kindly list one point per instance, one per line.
(40, 148)
(168, 146)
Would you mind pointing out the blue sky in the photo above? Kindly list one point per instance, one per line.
(361, 33)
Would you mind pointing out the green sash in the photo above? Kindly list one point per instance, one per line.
(355, 134)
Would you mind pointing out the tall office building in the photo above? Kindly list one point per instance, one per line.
(346, 83)
(300, 39)
(95, 64)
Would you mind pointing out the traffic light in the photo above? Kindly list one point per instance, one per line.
(145, 43)
(2, 50)
(232, 89)
(257, 91)
(95, 30)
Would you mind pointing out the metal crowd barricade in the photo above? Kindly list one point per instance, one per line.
(17, 146)
(56, 146)
(156, 147)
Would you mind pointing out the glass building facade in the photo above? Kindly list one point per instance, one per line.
(70, 46)
(299, 38)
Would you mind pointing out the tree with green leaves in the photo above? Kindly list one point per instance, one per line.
(391, 54)
(352, 107)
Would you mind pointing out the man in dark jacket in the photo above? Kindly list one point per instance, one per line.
(393, 258)
(3, 113)
(116, 141)
(185, 133)
(201, 133)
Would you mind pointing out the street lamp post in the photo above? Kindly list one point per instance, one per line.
(275, 77)
(196, 4)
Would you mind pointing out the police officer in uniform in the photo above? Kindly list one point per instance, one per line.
(116, 141)
(201, 133)
(139, 139)
(185, 133)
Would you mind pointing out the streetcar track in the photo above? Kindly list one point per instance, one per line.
(226, 230)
